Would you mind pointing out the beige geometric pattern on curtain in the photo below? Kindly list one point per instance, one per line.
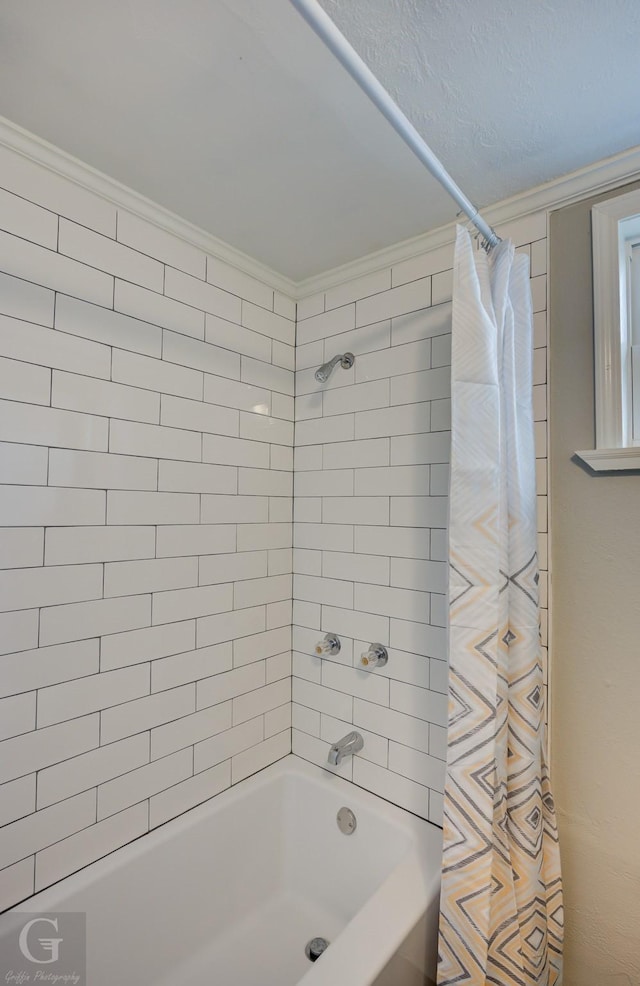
(501, 905)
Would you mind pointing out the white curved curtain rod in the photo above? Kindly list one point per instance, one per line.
(327, 31)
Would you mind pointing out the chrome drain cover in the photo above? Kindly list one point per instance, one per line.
(314, 948)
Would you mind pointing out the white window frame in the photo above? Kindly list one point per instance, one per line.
(613, 224)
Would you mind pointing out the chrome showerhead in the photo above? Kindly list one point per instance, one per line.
(345, 360)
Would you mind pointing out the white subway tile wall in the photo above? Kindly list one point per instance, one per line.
(146, 463)
(371, 484)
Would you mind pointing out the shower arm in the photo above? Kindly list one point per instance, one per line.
(338, 45)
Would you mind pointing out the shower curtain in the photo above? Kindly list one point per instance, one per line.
(501, 901)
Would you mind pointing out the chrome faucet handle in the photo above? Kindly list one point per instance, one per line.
(330, 644)
(375, 657)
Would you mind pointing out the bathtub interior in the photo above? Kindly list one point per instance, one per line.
(234, 889)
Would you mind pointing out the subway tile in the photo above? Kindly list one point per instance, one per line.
(416, 449)
(81, 773)
(322, 699)
(17, 882)
(328, 324)
(268, 323)
(146, 713)
(194, 665)
(306, 562)
(392, 787)
(23, 464)
(24, 382)
(78, 621)
(262, 428)
(21, 547)
(70, 545)
(361, 684)
(185, 604)
(196, 477)
(234, 337)
(328, 537)
(27, 220)
(36, 425)
(279, 614)
(441, 287)
(235, 452)
(22, 299)
(392, 724)
(427, 576)
(306, 614)
(355, 624)
(195, 539)
(403, 419)
(421, 324)
(237, 282)
(69, 700)
(46, 827)
(208, 298)
(420, 638)
(440, 415)
(441, 351)
(357, 288)
(419, 511)
(361, 397)
(128, 578)
(235, 509)
(229, 626)
(261, 700)
(255, 592)
(101, 470)
(267, 375)
(262, 482)
(334, 483)
(44, 666)
(314, 750)
(51, 270)
(90, 844)
(178, 412)
(43, 747)
(357, 454)
(225, 745)
(281, 458)
(329, 592)
(185, 351)
(283, 355)
(48, 347)
(283, 305)
(189, 729)
(17, 799)
(337, 428)
(355, 567)
(156, 374)
(135, 507)
(27, 588)
(254, 537)
(18, 631)
(397, 301)
(234, 393)
(233, 568)
(313, 304)
(221, 688)
(17, 715)
(406, 604)
(107, 255)
(419, 703)
(376, 748)
(428, 385)
(137, 785)
(278, 667)
(156, 242)
(400, 541)
(79, 393)
(309, 457)
(180, 798)
(439, 480)
(148, 306)
(258, 646)
(33, 506)
(110, 327)
(118, 650)
(403, 359)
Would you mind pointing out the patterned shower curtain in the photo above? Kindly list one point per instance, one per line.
(501, 905)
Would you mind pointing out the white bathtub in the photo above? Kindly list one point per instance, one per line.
(229, 893)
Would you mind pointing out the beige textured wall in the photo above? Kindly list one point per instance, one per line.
(595, 641)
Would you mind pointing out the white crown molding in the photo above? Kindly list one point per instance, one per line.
(600, 176)
(58, 161)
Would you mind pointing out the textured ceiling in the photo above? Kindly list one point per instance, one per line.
(232, 114)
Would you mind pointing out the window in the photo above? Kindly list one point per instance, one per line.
(615, 226)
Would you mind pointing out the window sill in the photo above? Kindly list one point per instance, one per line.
(612, 459)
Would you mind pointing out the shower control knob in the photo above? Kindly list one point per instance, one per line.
(375, 657)
(330, 644)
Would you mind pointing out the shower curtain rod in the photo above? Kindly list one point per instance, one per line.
(327, 31)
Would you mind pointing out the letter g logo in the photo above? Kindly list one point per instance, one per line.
(48, 945)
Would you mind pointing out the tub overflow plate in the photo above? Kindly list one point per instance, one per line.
(314, 948)
(347, 821)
